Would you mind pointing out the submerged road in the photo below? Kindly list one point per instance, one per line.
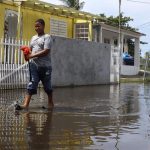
(115, 117)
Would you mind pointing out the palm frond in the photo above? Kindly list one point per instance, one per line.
(73, 4)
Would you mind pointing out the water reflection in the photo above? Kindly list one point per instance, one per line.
(38, 128)
(112, 117)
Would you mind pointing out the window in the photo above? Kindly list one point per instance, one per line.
(106, 40)
(10, 23)
(58, 27)
(10, 33)
(82, 31)
(116, 42)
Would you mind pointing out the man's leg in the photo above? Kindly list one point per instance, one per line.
(32, 85)
(26, 101)
(46, 80)
(50, 100)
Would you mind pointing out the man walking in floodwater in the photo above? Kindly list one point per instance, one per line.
(39, 64)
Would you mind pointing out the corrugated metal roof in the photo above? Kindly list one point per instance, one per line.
(60, 10)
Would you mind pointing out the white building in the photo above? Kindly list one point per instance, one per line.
(109, 34)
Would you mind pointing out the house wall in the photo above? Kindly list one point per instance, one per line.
(129, 70)
(78, 62)
(29, 18)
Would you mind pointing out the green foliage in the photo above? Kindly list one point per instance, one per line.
(124, 24)
(114, 21)
(73, 4)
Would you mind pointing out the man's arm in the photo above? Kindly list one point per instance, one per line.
(44, 52)
(38, 54)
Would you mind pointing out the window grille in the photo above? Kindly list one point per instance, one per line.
(82, 31)
(58, 27)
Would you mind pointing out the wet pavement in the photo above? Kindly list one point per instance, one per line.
(115, 117)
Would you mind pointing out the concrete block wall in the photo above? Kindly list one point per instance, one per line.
(79, 62)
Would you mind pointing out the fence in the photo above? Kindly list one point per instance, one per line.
(13, 68)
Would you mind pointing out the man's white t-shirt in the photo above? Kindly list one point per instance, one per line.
(39, 43)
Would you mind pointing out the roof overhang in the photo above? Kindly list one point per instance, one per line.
(116, 29)
(54, 9)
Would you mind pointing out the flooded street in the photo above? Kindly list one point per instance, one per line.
(115, 117)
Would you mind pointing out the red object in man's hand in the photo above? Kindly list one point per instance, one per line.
(26, 51)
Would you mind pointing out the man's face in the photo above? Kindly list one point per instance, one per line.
(39, 28)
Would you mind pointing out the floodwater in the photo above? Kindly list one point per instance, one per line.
(115, 117)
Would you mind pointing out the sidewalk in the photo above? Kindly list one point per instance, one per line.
(136, 78)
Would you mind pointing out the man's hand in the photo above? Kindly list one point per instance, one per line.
(28, 56)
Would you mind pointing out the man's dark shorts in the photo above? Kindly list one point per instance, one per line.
(37, 74)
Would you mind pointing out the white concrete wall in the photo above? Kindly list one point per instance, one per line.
(129, 70)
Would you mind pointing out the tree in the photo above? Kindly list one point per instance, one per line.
(73, 4)
(114, 21)
(124, 23)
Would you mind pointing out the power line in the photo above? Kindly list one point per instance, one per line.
(144, 24)
(138, 1)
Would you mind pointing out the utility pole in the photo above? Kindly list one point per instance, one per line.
(19, 3)
(19, 19)
(119, 24)
(119, 39)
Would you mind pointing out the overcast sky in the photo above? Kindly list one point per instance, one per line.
(139, 11)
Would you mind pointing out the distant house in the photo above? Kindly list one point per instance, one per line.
(104, 33)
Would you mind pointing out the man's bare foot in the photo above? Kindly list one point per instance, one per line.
(20, 107)
(24, 107)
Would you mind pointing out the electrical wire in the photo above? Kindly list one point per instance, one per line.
(139, 2)
(143, 25)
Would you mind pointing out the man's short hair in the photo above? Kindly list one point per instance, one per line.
(41, 21)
